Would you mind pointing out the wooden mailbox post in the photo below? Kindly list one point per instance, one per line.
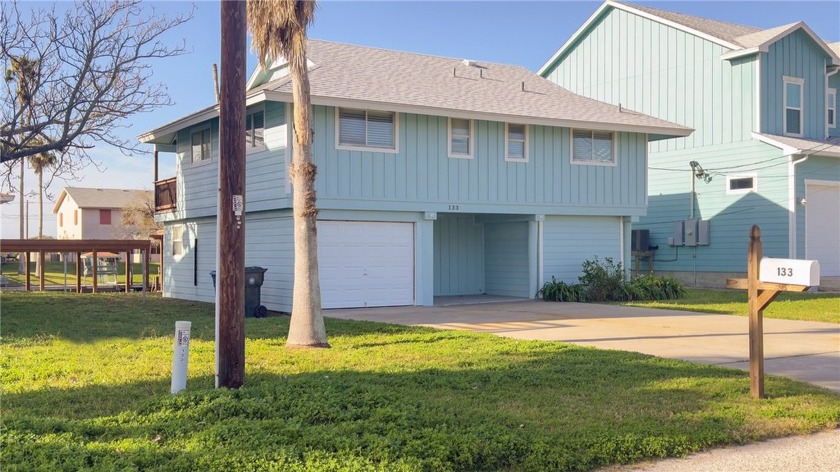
(765, 280)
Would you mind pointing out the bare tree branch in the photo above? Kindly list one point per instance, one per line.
(93, 70)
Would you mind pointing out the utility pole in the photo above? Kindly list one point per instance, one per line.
(230, 287)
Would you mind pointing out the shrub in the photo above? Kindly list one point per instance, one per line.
(604, 281)
(559, 291)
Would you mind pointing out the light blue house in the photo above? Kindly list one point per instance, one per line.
(436, 177)
(765, 149)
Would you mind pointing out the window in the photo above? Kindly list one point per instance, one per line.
(60, 220)
(592, 147)
(255, 130)
(200, 145)
(740, 184)
(365, 129)
(460, 138)
(516, 142)
(177, 240)
(75, 217)
(831, 108)
(104, 217)
(793, 91)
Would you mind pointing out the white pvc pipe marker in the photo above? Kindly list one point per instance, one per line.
(182, 356)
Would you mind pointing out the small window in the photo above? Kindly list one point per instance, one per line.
(200, 146)
(75, 217)
(516, 142)
(366, 129)
(255, 130)
(831, 108)
(739, 184)
(104, 217)
(592, 147)
(177, 240)
(60, 220)
(460, 138)
(793, 92)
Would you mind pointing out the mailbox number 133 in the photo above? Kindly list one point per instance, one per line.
(784, 271)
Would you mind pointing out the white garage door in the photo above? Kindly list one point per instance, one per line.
(822, 226)
(364, 264)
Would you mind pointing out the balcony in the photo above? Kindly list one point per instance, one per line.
(166, 196)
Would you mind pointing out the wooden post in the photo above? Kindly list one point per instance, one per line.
(128, 271)
(28, 283)
(41, 284)
(156, 166)
(230, 283)
(94, 271)
(146, 268)
(754, 252)
(78, 272)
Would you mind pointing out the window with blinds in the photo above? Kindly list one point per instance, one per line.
(255, 130)
(592, 147)
(460, 138)
(366, 129)
(516, 142)
(200, 145)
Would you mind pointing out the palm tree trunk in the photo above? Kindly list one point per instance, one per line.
(306, 328)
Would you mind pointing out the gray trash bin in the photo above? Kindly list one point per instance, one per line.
(254, 277)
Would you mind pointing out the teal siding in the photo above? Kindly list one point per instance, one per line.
(815, 168)
(421, 173)
(569, 241)
(795, 55)
(730, 216)
(660, 71)
(265, 171)
(506, 260)
(458, 255)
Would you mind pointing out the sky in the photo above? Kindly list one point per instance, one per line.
(525, 33)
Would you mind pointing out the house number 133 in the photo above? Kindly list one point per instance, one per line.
(784, 271)
(454, 207)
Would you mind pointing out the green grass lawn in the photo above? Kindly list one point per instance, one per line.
(807, 306)
(86, 386)
(54, 273)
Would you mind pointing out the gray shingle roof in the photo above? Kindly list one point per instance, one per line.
(835, 47)
(720, 29)
(760, 37)
(102, 197)
(441, 85)
(828, 147)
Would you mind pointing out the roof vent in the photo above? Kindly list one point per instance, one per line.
(469, 63)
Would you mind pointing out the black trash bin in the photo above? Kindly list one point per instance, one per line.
(254, 277)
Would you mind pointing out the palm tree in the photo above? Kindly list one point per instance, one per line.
(279, 30)
(39, 163)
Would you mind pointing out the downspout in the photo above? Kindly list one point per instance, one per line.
(758, 93)
(792, 203)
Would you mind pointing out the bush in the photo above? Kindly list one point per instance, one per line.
(606, 281)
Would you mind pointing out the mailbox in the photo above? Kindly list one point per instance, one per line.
(789, 271)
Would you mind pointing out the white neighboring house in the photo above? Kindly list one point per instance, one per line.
(96, 213)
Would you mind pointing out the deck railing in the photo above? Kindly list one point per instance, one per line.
(166, 197)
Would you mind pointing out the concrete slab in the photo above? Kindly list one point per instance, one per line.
(802, 350)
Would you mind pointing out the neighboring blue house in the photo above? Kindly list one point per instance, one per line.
(436, 177)
(763, 104)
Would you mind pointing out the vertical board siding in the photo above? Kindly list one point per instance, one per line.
(658, 70)
(265, 171)
(815, 168)
(268, 243)
(458, 255)
(506, 259)
(834, 82)
(730, 216)
(568, 241)
(422, 172)
(795, 55)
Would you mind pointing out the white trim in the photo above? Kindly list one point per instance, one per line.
(540, 252)
(629, 9)
(347, 147)
(526, 156)
(831, 105)
(621, 252)
(469, 154)
(742, 191)
(736, 53)
(801, 83)
(758, 93)
(613, 144)
(789, 150)
(765, 46)
(805, 184)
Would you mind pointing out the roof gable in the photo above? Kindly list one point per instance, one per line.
(113, 198)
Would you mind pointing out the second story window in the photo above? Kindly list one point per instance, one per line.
(516, 142)
(831, 108)
(200, 145)
(460, 138)
(793, 101)
(255, 130)
(592, 147)
(367, 130)
(104, 217)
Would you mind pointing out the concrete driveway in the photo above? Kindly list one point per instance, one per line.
(802, 350)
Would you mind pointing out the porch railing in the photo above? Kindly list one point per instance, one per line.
(166, 197)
